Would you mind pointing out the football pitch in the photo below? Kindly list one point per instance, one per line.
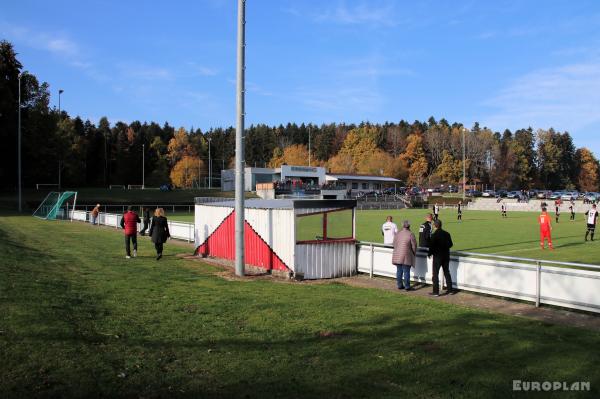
(80, 320)
(486, 232)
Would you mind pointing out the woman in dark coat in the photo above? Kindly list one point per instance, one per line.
(159, 231)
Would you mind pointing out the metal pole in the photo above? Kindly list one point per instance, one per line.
(371, 264)
(538, 273)
(239, 143)
(60, 91)
(19, 148)
(143, 166)
(309, 146)
(209, 166)
(464, 169)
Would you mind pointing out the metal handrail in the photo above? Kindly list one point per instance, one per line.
(510, 258)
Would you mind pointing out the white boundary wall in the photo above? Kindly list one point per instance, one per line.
(178, 230)
(554, 285)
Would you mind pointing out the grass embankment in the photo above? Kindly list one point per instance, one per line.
(79, 320)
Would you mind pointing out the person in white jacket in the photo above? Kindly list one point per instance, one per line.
(389, 230)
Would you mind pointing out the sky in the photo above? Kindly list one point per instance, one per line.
(505, 64)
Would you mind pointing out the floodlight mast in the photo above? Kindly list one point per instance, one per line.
(239, 143)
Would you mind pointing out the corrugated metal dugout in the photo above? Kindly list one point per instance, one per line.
(310, 238)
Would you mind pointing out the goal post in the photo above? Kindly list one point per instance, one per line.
(55, 204)
(135, 187)
(112, 186)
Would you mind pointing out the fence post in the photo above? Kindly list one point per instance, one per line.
(372, 255)
(538, 280)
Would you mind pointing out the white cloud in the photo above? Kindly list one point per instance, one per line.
(566, 98)
(145, 72)
(363, 13)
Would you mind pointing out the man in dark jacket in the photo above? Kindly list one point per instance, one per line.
(129, 223)
(439, 247)
(425, 232)
(146, 220)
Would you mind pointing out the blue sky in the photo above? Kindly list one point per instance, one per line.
(506, 64)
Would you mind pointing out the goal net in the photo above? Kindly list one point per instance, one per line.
(56, 205)
(112, 186)
(135, 187)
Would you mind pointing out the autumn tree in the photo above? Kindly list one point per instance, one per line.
(179, 147)
(449, 170)
(296, 154)
(587, 178)
(414, 159)
(186, 171)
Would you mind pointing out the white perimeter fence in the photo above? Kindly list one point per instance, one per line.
(569, 285)
(544, 282)
(179, 230)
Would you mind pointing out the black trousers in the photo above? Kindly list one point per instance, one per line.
(159, 247)
(444, 263)
(145, 227)
(130, 238)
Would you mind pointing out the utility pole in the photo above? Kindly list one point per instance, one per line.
(309, 145)
(60, 91)
(143, 166)
(209, 166)
(19, 148)
(239, 142)
(463, 165)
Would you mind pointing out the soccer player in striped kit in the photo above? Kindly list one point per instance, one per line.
(592, 216)
(545, 229)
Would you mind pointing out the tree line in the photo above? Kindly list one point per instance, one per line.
(419, 153)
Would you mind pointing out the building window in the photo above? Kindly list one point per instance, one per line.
(376, 186)
(365, 186)
(354, 186)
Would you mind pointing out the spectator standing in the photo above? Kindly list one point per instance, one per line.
(436, 211)
(439, 248)
(557, 211)
(504, 215)
(388, 231)
(459, 215)
(545, 229)
(95, 213)
(146, 220)
(159, 231)
(129, 223)
(592, 216)
(403, 257)
(425, 232)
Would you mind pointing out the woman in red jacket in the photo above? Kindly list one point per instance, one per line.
(129, 223)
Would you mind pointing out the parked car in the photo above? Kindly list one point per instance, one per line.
(473, 193)
(568, 196)
(452, 189)
(513, 194)
(501, 193)
(488, 193)
(591, 196)
(555, 195)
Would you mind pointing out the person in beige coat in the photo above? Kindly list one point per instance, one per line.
(403, 257)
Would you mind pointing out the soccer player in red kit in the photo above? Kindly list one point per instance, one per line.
(545, 228)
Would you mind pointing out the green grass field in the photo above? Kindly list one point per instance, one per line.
(480, 232)
(79, 320)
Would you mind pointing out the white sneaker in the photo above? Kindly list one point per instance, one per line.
(127, 257)
(134, 253)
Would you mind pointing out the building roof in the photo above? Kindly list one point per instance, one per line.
(336, 176)
(284, 203)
